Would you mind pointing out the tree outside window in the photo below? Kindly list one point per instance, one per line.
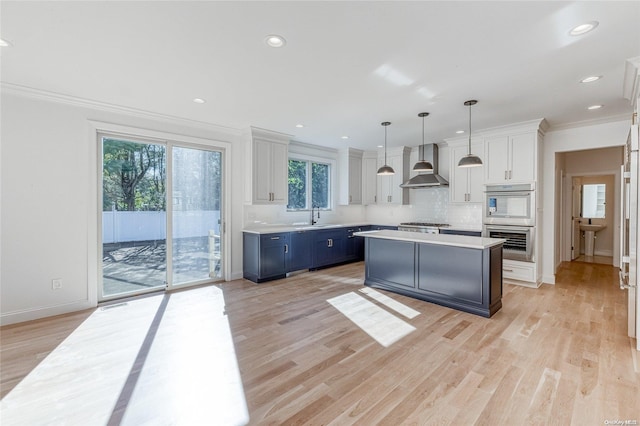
(308, 185)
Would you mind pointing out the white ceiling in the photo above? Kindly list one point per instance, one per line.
(346, 67)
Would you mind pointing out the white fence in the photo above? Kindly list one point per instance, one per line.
(120, 226)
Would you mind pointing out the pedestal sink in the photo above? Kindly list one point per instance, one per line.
(590, 236)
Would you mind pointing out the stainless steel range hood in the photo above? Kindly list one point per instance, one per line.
(430, 179)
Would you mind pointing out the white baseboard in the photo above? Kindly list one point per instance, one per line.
(603, 253)
(549, 279)
(43, 312)
(236, 276)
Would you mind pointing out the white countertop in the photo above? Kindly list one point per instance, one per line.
(440, 239)
(270, 229)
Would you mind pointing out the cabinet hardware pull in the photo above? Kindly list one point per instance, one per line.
(350, 198)
(286, 248)
(507, 270)
(375, 198)
(505, 175)
(510, 174)
(275, 238)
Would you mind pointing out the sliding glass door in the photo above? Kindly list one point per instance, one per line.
(145, 246)
(196, 248)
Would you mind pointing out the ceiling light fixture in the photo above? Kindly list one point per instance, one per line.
(583, 28)
(4, 43)
(422, 165)
(460, 132)
(199, 100)
(592, 107)
(385, 170)
(591, 79)
(274, 40)
(470, 160)
(299, 126)
(344, 137)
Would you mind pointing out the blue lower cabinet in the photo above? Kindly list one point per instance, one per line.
(355, 245)
(300, 250)
(265, 256)
(329, 247)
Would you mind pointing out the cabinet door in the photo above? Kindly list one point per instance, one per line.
(273, 259)
(321, 249)
(262, 172)
(476, 183)
(355, 180)
(369, 181)
(279, 173)
(458, 176)
(496, 161)
(397, 194)
(299, 251)
(523, 155)
(383, 184)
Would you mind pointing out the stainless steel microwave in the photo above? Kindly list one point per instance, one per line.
(510, 205)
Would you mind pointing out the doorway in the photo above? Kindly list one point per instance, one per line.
(161, 221)
(593, 218)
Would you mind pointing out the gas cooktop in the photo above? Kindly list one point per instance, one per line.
(426, 224)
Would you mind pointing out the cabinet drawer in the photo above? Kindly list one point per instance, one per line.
(522, 271)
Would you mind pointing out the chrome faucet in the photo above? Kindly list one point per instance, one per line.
(313, 221)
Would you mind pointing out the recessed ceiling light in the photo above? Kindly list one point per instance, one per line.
(380, 146)
(299, 126)
(595, 107)
(199, 100)
(591, 79)
(274, 40)
(583, 28)
(344, 137)
(460, 132)
(4, 43)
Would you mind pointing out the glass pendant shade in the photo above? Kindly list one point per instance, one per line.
(470, 160)
(385, 170)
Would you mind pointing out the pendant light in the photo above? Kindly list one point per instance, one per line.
(385, 170)
(470, 160)
(422, 165)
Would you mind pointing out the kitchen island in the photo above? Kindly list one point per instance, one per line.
(460, 272)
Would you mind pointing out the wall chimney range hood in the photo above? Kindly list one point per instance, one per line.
(430, 179)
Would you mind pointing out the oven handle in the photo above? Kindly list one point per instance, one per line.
(508, 228)
(510, 193)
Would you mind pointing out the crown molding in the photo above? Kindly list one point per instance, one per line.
(30, 92)
(631, 84)
(595, 122)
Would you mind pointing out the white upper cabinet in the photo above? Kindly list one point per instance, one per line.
(369, 177)
(350, 176)
(270, 160)
(465, 183)
(388, 190)
(511, 158)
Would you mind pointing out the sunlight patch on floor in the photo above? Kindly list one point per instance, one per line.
(390, 303)
(381, 325)
(190, 373)
(80, 381)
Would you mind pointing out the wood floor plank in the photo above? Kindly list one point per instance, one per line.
(552, 355)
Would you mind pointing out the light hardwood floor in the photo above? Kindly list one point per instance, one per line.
(553, 355)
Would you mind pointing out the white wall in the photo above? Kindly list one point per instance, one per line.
(559, 141)
(48, 226)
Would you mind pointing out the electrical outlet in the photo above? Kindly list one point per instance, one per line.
(56, 284)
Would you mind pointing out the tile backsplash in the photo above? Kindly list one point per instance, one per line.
(428, 205)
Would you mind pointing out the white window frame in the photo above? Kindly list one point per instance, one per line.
(332, 171)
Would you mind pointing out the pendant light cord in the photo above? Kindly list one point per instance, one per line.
(385, 145)
(469, 129)
(423, 138)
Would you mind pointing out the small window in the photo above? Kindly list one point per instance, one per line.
(309, 185)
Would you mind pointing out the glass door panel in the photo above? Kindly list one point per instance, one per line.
(133, 217)
(196, 221)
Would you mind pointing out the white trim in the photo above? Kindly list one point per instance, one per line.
(593, 122)
(42, 312)
(549, 279)
(103, 106)
(97, 128)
